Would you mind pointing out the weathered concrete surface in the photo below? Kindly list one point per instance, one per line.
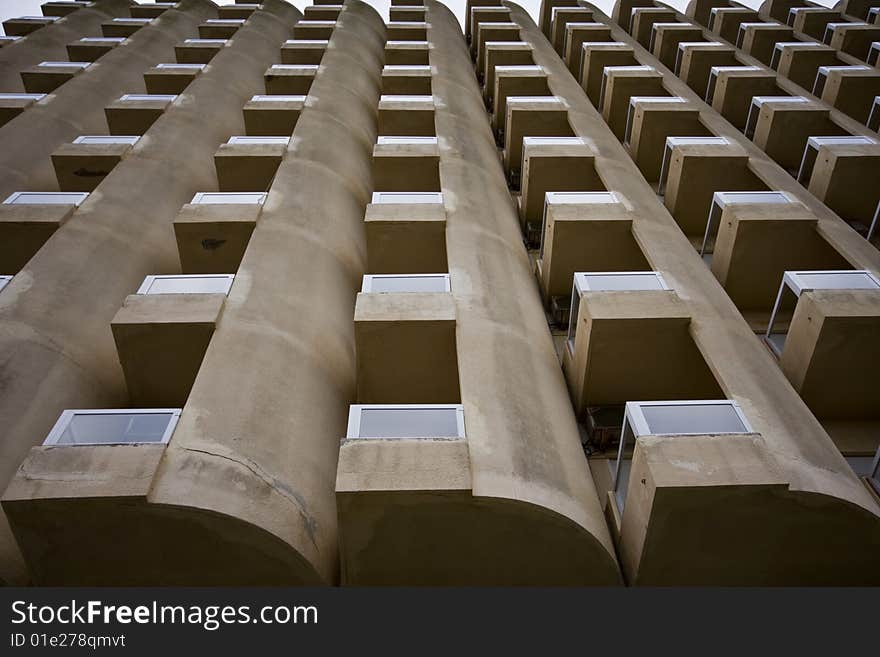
(77, 107)
(259, 437)
(821, 487)
(49, 43)
(56, 345)
(530, 513)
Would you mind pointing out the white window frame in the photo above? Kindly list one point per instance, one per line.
(251, 139)
(410, 99)
(367, 283)
(811, 152)
(132, 21)
(393, 198)
(389, 140)
(581, 284)
(14, 96)
(713, 77)
(207, 42)
(721, 200)
(106, 139)
(354, 420)
(100, 40)
(874, 116)
(4, 281)
(824, 71)
(199, 198)
(631, 110)
(67, 416)
(573, 198)
(225, 21)
(305, 68)
(758, 103)
(13, 199)
(400, 43)
(793, 281)
(874, 51)
(653, 38)
(265, 98)
(412, 68)
(617, 69)
(144, 289)
(634, 418)
(672, 142)
(137, 98)
(77, 65)
(779, 48)
(307, 42)
(182, 67)
(684, 45)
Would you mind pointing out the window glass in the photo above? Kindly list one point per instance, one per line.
(115, 428)
(409, 423)
(692, 419)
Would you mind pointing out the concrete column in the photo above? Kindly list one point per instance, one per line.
(269, 406)
(70, 290)
(49, 43)
(77, 107)
(772, 536)
(515, 503)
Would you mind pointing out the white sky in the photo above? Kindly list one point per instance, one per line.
(15, 8)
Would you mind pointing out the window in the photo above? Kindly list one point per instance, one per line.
(811, 151)
(554, 141)
(245, 139)
(779, 49)
(46, 198)
(631, 110)
(398, 44)
(205, 42)
(405, 421)
(134, 98)
(33, 97)
(113, 427)
(721, 200)
(573, 198)
(654, 31)
(406, 67)
(264, 98)
(825, 71)
(79, 65)
(306, 42)
(4, 281)
(407, 197)
(875, 223)
(797, 282)
(715, 71)
(198, 67)
(102, 40)
(608, 69)
(402, 283)
(829, 32)
(407, 140)
(243, 198)
(187, 284)
(674, 418)
(43, 19)
(106, 139)
(398, 98)
(874, 52)
(310, 68)
(225, 21)
(8, 39)
(684, 45)
(874, 476)
(874, 116)
(618, 281)
(743, 28)
(132, 21)
(671, 143)
(758, 103)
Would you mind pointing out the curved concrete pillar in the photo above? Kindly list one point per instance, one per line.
(55, 341)
(77, 107)
(515, 503)
(49, 43)
(781, 507)
(258, 439)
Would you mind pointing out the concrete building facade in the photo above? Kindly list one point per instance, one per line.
(318, 299)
